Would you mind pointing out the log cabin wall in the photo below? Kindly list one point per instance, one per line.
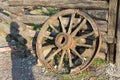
(100, 10)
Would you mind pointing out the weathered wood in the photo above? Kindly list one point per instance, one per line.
(3, 6)
(5, 29)
(5, 49)
(15, 10)
(111, 53)
(10, 20)
(97, 14)
(62, 4)
(36, 19)
(23, 30)
(112, 20)
(28, 34)
(103, 36)
(104, 47)
(40, 19)
(102, 25)
(99, 55)
(4, 18)
(118, 39)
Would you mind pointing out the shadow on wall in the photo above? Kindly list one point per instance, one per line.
(22, 60)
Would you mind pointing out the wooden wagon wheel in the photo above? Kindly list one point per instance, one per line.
(68, 42)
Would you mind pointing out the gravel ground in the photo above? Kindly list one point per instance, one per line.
(15, 67)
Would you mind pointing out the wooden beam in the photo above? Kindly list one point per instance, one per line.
(15, 10)
(40, 19)
(36, 19)
(118, 39)
(112, 20)
(4, 18)
(5, 49)
(62, 3)
(23, 30)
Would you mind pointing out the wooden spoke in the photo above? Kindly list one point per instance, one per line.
(77, 22)
(76, 53)
(63, 27)
(71, 21)
(80, 40)
(46, 50)
(89, 34)
(49, 37)
(52, 56)
(61, 60)
(79, 27)
(70, 58)
(48, 47)
(84, 45)
(47, 33)
(54, 28)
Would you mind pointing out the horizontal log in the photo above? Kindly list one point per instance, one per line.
(15, 10)
(39, 19)
(36, 19)
(99, 55)
(5, 24)
(10, 20)
(4, 18)
(5, 49)
(25, 32)
(4, 6)
(97, 14)
(103, 25)
(61, 3)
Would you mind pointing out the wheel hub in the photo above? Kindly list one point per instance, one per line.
(64, 41)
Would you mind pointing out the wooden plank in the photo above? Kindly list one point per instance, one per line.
(100, 55)
(40, 19)
(103, 36)
(104, 48)
(103, 25)
(4, 18)
(25, 33)
(111, 53)
(97, 14)
(113, 4)
(36, 19)
(3, 6)
(15, 10)
(62, 4)
(5, 49)
(118, 40)
(112, 20)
